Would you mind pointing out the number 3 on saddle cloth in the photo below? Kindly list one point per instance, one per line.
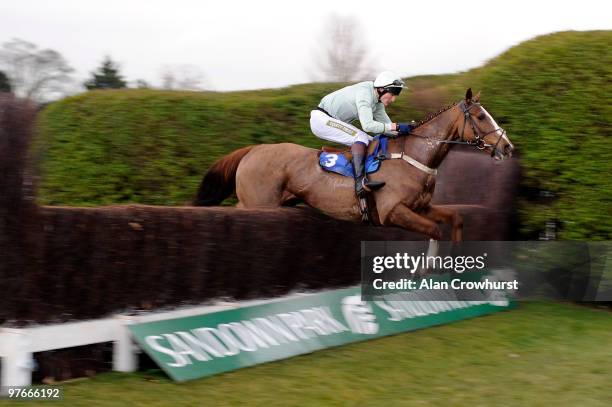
(338, 162)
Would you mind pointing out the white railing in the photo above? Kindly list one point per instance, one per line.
(17, 345)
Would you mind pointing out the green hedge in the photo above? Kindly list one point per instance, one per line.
(554, 94)
(145, 146)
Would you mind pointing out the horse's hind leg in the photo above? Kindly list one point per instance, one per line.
(446, 215)
(253, 191)
(259, 196)
(404, 217)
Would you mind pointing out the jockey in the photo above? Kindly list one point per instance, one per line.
(365, 101)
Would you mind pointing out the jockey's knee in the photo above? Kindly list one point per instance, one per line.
(362, 138)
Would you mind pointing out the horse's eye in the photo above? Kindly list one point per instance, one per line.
(481, 116)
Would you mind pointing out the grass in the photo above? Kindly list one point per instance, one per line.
(538, 355)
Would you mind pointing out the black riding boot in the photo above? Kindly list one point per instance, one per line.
(361, 182)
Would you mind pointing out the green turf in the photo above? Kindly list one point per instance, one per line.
(541, 354)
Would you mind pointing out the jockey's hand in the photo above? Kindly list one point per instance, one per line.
(405, 128)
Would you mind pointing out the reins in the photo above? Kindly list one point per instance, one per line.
(478, 141)
(479, 137)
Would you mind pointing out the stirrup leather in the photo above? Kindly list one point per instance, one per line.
(363, 207)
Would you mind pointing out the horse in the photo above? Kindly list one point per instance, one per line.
(275, 175)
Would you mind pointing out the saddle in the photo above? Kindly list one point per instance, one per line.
(340, 161)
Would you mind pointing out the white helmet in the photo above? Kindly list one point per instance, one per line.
(389, 81)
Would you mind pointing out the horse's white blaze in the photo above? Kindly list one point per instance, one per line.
(499, 131)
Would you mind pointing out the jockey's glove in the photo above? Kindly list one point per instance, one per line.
(405, 128)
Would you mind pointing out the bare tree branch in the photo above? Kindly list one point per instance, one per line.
(168, 78)
(183, 77)
(34, 74)
(344, 56)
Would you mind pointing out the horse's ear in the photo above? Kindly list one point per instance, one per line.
(468, 96)
(476, 98)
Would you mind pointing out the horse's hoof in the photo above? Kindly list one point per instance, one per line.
(436, 234)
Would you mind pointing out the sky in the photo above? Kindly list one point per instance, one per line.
(264, 43)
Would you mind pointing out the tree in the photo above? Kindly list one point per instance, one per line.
(107, 77)
(190, 77)
(183, 77)
(168, 78)
(345, 56)
(5, 83)
(33, 73)
(142, 84)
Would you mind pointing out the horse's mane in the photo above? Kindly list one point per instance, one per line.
(436, 114)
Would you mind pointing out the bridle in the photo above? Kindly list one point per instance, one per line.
(478, 141)
(479, 136)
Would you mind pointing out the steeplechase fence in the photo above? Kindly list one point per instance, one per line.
(62, 265)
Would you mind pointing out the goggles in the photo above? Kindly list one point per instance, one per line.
(395, 87)
(394, 90)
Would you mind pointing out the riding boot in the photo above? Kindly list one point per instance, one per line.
(361, 182)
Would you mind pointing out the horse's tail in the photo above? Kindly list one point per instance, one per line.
(220, 180)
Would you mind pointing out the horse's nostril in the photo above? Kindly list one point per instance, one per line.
(508, 149)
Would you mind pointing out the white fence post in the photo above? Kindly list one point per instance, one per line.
(17, 361)
(125, 357)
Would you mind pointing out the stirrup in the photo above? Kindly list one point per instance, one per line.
(371, 186)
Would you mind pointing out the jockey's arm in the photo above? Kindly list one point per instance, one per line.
(381, 116)
(366, 117)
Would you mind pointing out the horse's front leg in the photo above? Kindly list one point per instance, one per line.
(404, 217)
(446, 215)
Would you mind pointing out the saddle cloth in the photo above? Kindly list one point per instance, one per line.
(341, 163)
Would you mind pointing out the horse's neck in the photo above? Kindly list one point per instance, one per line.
(423, 146)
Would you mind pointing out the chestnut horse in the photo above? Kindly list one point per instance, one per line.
(272, 175)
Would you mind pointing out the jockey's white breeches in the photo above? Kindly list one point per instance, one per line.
(335, 130)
